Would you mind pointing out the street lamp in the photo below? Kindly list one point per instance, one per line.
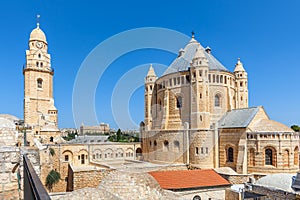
(21, 126)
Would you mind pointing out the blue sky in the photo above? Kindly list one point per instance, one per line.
(264, 34)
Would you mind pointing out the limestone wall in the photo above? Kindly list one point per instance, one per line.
(11, 163)
(232, 195)
(229, 138)
(85, 178)
(9, 157)
(237, 178)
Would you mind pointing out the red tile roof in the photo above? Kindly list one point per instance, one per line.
(185, 179)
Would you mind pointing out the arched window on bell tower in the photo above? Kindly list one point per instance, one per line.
(40, 83)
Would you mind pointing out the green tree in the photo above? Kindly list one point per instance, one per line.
(296, 128)
(119, 136)
(70, 136)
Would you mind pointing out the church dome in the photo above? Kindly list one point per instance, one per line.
(37, 34)
(186, 55)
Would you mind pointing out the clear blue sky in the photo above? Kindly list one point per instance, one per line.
(265, 34)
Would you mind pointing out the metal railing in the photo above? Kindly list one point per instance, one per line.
(33, 187)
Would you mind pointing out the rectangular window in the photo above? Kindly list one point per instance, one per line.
(174, 81)
(206, 150)
(196, 150)
(66, 157)
(170, 82)
(178, 80)
(182, 80)
(202, 151)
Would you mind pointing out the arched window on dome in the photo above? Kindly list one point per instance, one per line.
(230, 154)
(286, 158)
(179, 102)
(270, 156)
(40, 83)
(217, 100)
(166, 145)
(176, 146)
(296, 156)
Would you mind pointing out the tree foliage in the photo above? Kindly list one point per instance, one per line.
(119, 135)
(296, 128)
(124, 137)
(52, 178)
(70, 136)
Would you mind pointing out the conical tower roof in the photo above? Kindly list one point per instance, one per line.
(151, 72)
(239, 66)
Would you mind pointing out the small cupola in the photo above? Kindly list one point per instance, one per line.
(208, 50)
(180, 53)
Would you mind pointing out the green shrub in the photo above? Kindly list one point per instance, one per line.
(52, 152)
(52, 178)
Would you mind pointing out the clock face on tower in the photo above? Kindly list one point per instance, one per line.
(39, 45)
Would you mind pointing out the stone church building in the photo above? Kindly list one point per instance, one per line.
(40, 114)
(197, 113)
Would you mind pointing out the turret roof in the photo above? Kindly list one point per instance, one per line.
(151, 71)
(239, 66)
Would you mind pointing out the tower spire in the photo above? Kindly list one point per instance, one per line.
(38, 21)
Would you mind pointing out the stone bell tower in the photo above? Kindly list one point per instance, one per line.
(149, 87)
(39, 109)
(241, 80)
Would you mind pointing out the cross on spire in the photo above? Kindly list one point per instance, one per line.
(38, 20)
(193, 34)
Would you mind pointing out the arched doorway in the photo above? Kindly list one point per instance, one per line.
(139, 153)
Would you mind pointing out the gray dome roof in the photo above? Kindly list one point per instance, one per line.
(182, 62)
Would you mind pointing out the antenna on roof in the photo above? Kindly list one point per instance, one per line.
(38, 20)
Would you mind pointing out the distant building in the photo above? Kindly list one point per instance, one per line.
(101, 129)
(66, 131)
